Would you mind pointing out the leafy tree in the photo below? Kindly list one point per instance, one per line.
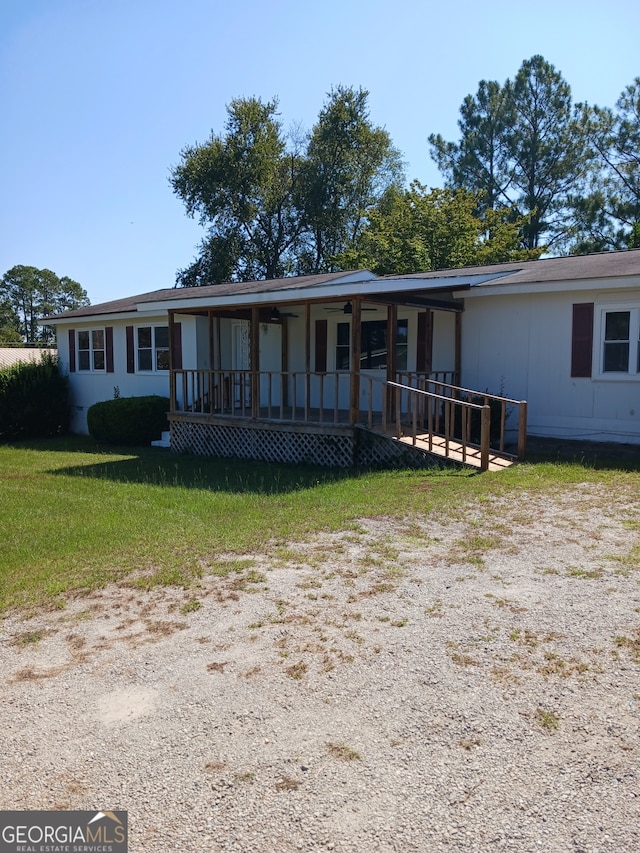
(31, 294)
(416, 229)
(349, 164)
(608, 215)
(523, 146)
(277, 205)
(241, 185)
(9, 324)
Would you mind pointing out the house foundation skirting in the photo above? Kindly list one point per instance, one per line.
(312, 444)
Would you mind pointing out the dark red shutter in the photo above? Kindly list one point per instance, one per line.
(424, 353)
(321, 346)
(131, 354)
(108, 345)
(582, 339)
(176, 346)
(72, 350)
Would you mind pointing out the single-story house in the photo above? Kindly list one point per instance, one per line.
(296, 368)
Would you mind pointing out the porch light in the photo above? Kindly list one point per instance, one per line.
(348, 308)
(274, 316)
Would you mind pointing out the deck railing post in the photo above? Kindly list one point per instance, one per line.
(415, 419)
(522, 430)
(485, 438)
(385, 391)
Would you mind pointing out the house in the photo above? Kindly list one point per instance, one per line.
(296, 368)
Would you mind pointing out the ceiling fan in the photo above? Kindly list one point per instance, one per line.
(347, 308)
(275, 315)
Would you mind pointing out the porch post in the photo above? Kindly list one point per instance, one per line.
(211, 350)
(255, 362)
(211, 378)
(284, 361)
(458, 350)
(307, 360)
(172, 376)
(356, 350)
(392, 346)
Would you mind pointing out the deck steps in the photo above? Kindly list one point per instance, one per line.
(164, 441)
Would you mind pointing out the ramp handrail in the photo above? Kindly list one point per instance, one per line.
(437, 412)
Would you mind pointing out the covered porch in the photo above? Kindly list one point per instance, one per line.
(358, 380)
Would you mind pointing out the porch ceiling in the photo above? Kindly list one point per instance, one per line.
(243, 311)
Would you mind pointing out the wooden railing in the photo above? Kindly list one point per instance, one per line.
(282, 395)
(416, 405)
(461, 415)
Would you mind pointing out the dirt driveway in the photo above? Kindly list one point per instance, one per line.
(435, 684)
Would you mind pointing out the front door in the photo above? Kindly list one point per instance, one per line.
(241, 377)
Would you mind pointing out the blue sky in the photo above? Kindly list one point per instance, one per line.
(100, 96)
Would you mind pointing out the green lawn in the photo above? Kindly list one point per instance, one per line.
(75, 516)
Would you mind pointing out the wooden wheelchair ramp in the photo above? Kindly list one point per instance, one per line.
(457, 452)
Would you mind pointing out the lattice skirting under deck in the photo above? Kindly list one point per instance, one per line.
(338, 447)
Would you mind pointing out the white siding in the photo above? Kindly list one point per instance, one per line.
(520, 345)
(86, 388)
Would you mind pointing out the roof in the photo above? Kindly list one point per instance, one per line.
(13, 355)
(131, 303)
(567, 268)
(564, 269)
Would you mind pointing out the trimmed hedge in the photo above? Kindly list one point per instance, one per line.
(34, 400)
(128, 420)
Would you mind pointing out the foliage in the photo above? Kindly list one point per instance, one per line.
(349, 164)
(607, 216)
(479, 162)
(241, 185)
(33, 400)
(419, 230)
(276, 205)
(29, 294)
(523, 145)
(9, 324)
(128, 420)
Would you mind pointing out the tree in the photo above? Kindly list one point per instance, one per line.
(523, 146)
(416, 229)
(9, 323)
(32, 294)
(480, 160)
(349, 164)
(241, 185)
(607, 216)
(277, 205)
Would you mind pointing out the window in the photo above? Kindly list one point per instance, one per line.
(153, 347)
(620, 353)
(374, 345)
(91, 350)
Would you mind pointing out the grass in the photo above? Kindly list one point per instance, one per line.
(343, 752)
(76, 516)
(547, 719)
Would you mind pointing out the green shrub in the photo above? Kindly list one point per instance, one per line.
(34, 400)
(128, 420)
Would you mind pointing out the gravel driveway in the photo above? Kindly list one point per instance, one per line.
(435, 684)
